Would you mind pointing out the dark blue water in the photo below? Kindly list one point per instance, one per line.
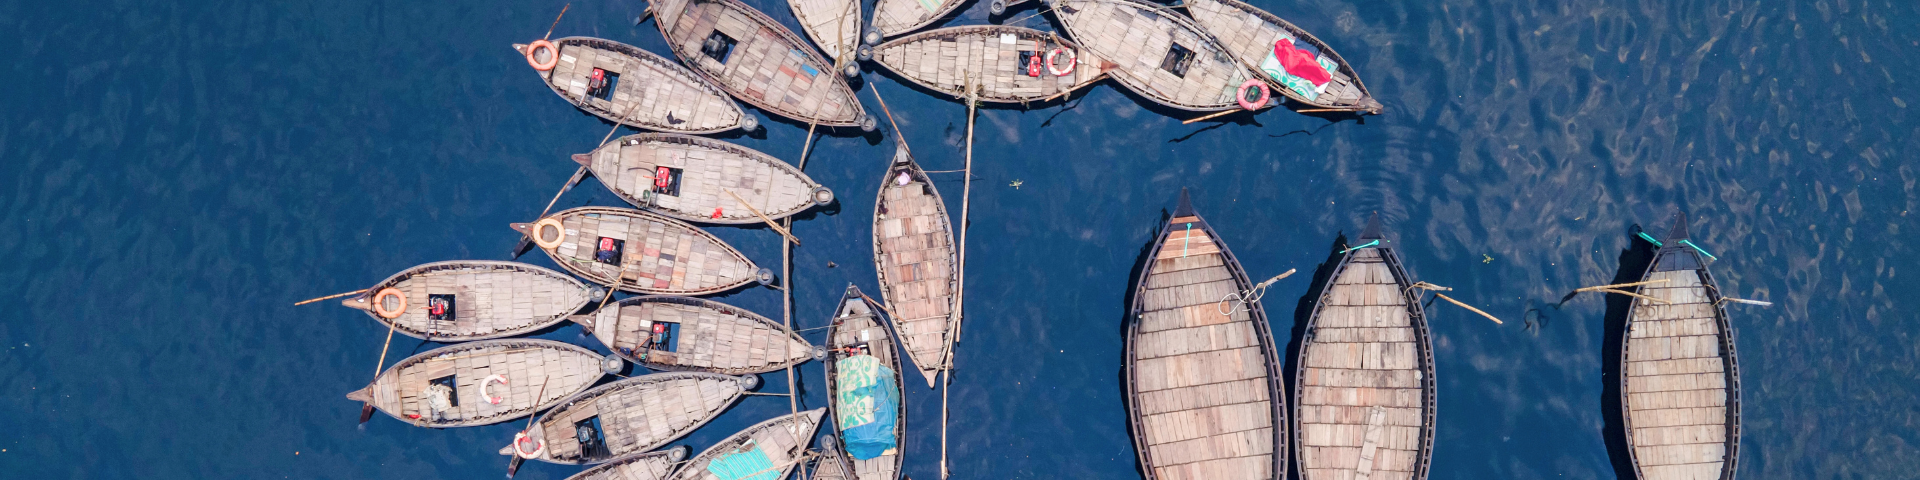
(176, 175)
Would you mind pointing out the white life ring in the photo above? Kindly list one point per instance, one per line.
(523, 439)
(1072, 60)
(488, 383)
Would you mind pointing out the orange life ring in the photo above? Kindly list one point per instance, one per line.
(1072, 60)
(380, 303)
(523, 439)
(553, 55)
(1254, 104)
(488, 383)
(549, 224)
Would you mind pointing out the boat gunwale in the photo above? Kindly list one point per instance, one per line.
(912, 167)
(657, 60)
(899, 382)
(1731, 372)
(933, 17)
(423, 268)
(605, 389)
(722, 308)
(716, 144)
(1365, 93)
(955, 31)
(746, 434)
(792, 41)
(1144, 87)
(644, 215)
(628, 459)
(859, 13)
(1276, 389)
(509, 343)
(1417, 317)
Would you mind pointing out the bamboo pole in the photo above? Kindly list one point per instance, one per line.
(1468, 307)
(1211, 116)
(330, 297)
(556, 24)
(1323, 110)
(786, 280)
(763, 217)
(959, 297)
(1618, 285)
(366, 411)
(1631, 294)
(1070, 89)
(898, 137)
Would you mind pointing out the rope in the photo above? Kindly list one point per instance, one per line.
(1698, 249)
(1364, 245)
(1246, 297)
(1649, 239)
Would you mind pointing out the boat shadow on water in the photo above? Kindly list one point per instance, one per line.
(1126, 317)
(1633, 262)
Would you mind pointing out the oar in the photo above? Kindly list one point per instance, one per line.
(763, 217)
(366, 409)
(330, 297)
(556, 21)
(513, 462)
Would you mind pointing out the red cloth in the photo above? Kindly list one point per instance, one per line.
(1301, 63)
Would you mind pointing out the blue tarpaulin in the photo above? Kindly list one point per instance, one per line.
(743, 465)
(867, 402)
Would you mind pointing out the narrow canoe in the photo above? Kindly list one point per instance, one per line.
(1157, 53)
(834, 25)
(1366, 372)
(641, 252)
(895, 17)
(692, 334)
(452, 386)
(758, 61)
(1250, 33)
(629, 416)
(1203, 387)
(704, 177)
(640, 466)
(856, 331)
(996, 56)
(478, 300)
(1680, 385)
(913, 252)
(649, 91)
(780, 442)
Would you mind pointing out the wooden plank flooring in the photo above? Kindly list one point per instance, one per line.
(768, 66)
(1202, 382)
(1250, 33)
(653, 92)
(1676, 391)
(659, 255)
(490, 299)
(708, 170)
(895, 17)
(1361, 398)
(854, 324)
(636, 414)
(526, 363)
(645, 466)
(784, 439)
(834, 25)
(1138, 37)
(944, 59)
(711, 336)
(914, 252)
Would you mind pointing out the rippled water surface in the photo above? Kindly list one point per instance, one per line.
(176, 175)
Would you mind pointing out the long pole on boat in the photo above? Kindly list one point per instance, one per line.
(960, 293)
(786, 284)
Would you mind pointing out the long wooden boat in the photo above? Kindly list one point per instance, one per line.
(690, 334)
(913, 252)
(895, 17)
(468, 300)
(641, 252)
(640, 466)
(857, 331)
(702, 180)
(1158, 53)
(641, 89)
(1680, 383)
(481, 383)
(1204, 390)
(775, 446)
(758, 61)
(834, 25)
(1250, 33)
(997, 57)
(1364, 395)
(629, 416)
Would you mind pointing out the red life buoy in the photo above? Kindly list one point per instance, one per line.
(380, 303)
(553, 55)
(488, 383)
(1072, 60)
(1255, 103)
(522, 442)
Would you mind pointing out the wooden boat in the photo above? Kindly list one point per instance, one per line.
(1364, 395)
(1203, 379)
(702, 177)
(996, 56)
(692, 334)
(776, 446)
(833, 464)
(645, 90)
(641, 252)
(895, 17)
(629, 416)
(456, 386)
(857, 331)
(476, 300)
(640, 466)
(1680, 383)
(1158, 53)
(1249, 33)
(913, 252)
(834, 25)
(758, 61)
